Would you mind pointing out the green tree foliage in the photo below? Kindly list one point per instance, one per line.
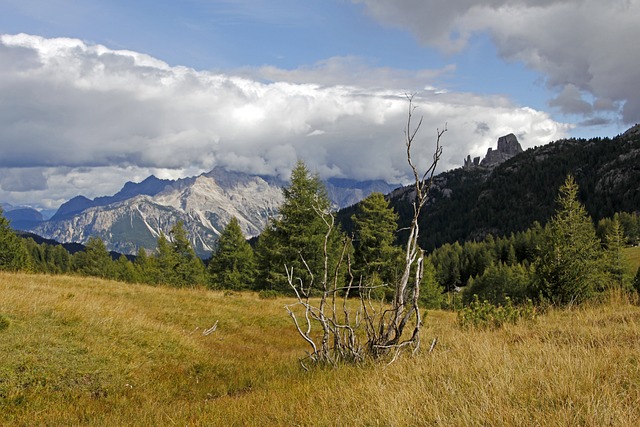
(146, 268)
(232, 264)
(45, 258)
(498, 284)
(432, 294)
(13, 252)
(615, 261)
(569, 268)
(297, 235)
(94, 260)
(188, 268)
(468, 204)
(375, 226)
(636, 281)
(124, 270)
(175, 262)
(447, 262)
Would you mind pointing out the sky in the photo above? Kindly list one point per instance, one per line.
(95, 93)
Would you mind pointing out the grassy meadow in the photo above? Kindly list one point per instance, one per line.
(81, 351)
(633, 255)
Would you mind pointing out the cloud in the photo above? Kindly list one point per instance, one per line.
(88, 118)
(20, 180)
(583, 45)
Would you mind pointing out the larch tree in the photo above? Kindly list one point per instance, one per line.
(570, 267)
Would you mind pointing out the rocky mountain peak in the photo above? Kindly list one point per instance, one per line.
(508, 147)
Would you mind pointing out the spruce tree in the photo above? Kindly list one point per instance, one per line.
(375, 225)
(297, 236)
(232, 264)
(570, 264)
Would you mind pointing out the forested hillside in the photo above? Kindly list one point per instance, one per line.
(468, 204)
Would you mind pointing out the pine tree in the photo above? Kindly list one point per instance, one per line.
(375, 225)
(570, 268)
(13, 252)
(297, 236)
(232, 264)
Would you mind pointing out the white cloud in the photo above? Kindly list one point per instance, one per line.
(87, 119)
(584, 45)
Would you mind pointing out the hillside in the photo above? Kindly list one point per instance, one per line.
(80, 351)
(469, 203)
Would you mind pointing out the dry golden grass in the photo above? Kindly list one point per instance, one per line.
(81, 351)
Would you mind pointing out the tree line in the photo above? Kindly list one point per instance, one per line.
(568, 260)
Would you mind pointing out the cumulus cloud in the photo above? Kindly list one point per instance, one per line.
(83, 119)
(581, 46)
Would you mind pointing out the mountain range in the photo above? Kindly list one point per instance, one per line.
(504, 192)
(134, 217)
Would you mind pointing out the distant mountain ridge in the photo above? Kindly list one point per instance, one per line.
(137, 215)
(150, 187)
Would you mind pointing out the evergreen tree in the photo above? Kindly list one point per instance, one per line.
(298, 234)
(165, 262)
(615, 261)
(232, 264)
(189, 268)
(431, 292)
(124, 270)
(13, 252)
(94, 260)
(146, 268)
(498, 282)
(569, 267)
(375, 225)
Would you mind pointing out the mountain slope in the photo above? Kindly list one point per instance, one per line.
(469, 203)
(205, 204)
(135, 216)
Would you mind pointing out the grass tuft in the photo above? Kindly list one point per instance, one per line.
(4, 322)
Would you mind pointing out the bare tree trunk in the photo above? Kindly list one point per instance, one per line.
(404, 307)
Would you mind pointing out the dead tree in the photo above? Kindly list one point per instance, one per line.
(384, 325)
(339, 341)
(386, 333)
